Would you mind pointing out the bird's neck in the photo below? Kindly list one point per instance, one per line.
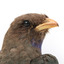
(14, 40)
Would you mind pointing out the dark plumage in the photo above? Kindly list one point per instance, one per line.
(22, 42)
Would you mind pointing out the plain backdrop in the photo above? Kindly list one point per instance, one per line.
(54, 40)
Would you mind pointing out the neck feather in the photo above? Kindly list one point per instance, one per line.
(35, 44)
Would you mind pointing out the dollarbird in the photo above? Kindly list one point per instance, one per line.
(23, 40)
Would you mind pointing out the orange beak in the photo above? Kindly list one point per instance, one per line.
(47, 25)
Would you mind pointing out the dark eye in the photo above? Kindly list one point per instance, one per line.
(26, 23)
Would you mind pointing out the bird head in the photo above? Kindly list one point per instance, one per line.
(28, 29)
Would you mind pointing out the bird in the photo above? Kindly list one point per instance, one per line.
(23, 40)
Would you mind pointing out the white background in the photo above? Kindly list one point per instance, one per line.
(54, 41)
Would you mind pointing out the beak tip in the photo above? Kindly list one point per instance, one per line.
(58, 25)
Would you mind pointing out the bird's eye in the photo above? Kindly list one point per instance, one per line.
(26, 23)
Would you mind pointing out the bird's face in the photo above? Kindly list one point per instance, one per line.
(25, 25)
(31, 28)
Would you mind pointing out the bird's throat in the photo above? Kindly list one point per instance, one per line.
(35, 44)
